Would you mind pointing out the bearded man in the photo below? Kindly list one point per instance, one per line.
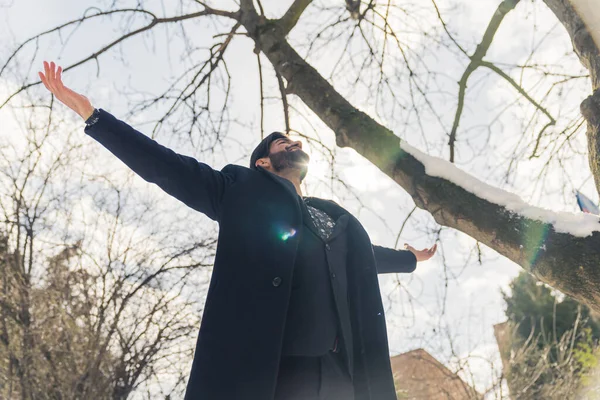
(293, 309)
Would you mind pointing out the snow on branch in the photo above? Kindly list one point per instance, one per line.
(576, 224)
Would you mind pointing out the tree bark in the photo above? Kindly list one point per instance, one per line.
(566, 262)
(581, 19)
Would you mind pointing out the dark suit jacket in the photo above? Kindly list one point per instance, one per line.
(239, 344)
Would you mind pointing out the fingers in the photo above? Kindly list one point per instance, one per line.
(52, 71)
(51, 78)
(58, 78)
(47, 69)
(43, 79)
(422, 255)
(47, 77)
(430, 251)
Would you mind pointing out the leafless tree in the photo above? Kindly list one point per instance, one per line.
(79, 321)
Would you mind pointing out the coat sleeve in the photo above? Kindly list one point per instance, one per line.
(390, 260)
(185, 178)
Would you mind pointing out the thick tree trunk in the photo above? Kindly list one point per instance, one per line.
(564, 261)
(581, 19)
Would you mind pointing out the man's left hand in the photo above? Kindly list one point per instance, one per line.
(422, 255)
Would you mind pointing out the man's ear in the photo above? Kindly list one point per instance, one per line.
(264, 162)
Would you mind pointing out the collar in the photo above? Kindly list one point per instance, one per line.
(329, 206)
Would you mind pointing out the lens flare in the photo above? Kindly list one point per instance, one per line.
(534, 236)
(288, 234)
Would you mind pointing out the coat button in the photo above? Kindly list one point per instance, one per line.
(276, 281)
(328, 247)
(333, 275)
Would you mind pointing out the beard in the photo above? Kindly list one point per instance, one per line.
(296, 159)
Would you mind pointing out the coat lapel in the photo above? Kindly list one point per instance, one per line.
(308, 221)
(330, 207)
(287, 185)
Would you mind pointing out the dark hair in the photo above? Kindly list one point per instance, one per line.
(262, 150)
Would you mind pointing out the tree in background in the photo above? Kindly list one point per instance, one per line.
(554, 342)
(90, 306)
(45, 330)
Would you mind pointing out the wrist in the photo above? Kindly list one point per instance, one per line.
(93, 118)
(87, 113)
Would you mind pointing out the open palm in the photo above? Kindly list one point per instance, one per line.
(422, 255)
(51, 78)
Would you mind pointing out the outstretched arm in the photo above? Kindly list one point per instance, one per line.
(192, 182)
(400, 261)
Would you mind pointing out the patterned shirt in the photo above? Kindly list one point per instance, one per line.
(322, 221)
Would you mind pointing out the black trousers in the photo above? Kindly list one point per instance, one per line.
(314, 378)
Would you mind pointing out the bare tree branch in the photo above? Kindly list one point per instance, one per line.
(94, 56)
(286, 113)
(523, 93)
(292, 15)
(262, 97)
(450, 204)
(353, 6)
(504, 8)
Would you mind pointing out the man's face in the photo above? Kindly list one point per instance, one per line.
(285, 153)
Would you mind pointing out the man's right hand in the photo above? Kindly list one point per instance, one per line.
(75, 101)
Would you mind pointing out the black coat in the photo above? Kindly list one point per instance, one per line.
(239, 343)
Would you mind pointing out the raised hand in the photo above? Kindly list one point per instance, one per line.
(422, 255)
(51, 78)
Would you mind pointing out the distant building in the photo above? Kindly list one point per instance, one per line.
(503, 339)
(419, 376)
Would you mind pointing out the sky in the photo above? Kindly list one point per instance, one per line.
(450, 304)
